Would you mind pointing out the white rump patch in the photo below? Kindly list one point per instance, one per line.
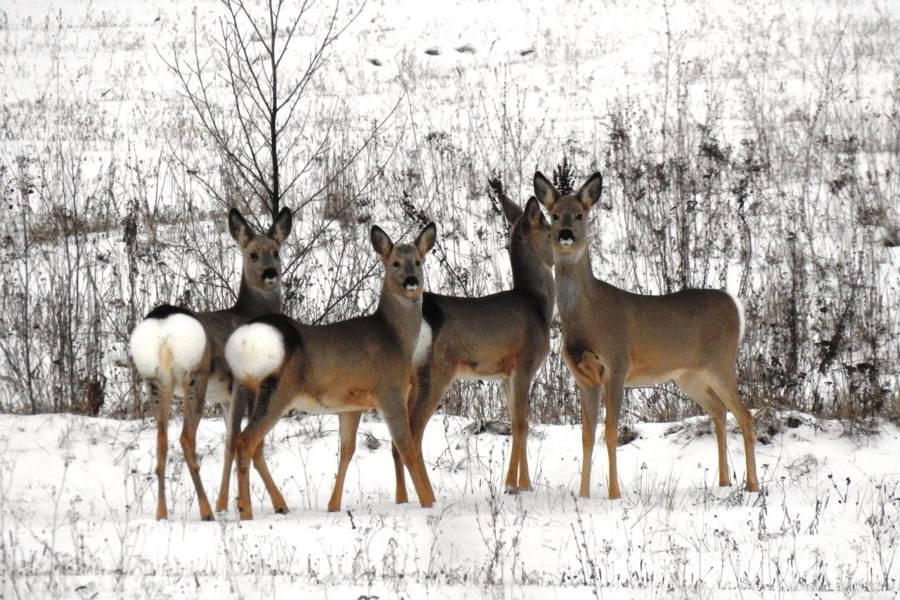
(254, 351)
(182, 335)
(741, 320)
(423, 344)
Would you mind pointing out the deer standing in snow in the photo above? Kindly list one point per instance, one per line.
(503, 336)
(613, 338)
(344, 367)
(176, 348)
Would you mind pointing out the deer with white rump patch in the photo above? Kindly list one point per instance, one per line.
(345, 367)
(176, 348)
(614, 339)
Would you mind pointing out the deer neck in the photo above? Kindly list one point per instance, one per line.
(532, 275)
(573, 278)
(403, 316)
(255, 302)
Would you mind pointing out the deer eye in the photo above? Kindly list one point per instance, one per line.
(396, 264)
(579, 216)
(275, 254)
(254, 256)
(556, 216)
(418, 263)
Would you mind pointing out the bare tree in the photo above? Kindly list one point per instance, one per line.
(247, 91)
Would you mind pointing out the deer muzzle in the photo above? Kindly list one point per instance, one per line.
(270, 275)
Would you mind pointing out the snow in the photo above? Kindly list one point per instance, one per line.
(78, 497)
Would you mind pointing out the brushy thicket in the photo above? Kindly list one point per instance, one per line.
(795, 210)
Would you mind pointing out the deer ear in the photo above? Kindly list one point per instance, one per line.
(544, 190)
(512, 212)
(381, 242)
(425, 240)
(590, 192)
(282, 226)
(240, 231)
(533, 211)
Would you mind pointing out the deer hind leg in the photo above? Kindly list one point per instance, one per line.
(161, 396)
(194, 399)
(259, 463)
(590, 411)
(234, 413)
(517, 387)
(264, 417)
(724, 385)
(393, 405)
(349, 425)
(692, 384)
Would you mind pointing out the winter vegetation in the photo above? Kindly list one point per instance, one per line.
(746, 146)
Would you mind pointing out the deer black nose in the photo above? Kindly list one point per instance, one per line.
(566, 237)
(270, 274)
(411, 283)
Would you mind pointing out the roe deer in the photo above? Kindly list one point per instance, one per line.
(502, 336)
(345, 367)
(613, 338)
(174, 347)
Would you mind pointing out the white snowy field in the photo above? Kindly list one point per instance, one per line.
(77, 499)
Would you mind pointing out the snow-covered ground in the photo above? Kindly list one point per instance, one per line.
(78, 502)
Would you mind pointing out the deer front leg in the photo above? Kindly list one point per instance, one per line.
(590, 409)
(431, 381)
(392, 402)
(517, 388)
(588, 371)
(400, 496)
(349, 425)
(234, 414)
(613, 395)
